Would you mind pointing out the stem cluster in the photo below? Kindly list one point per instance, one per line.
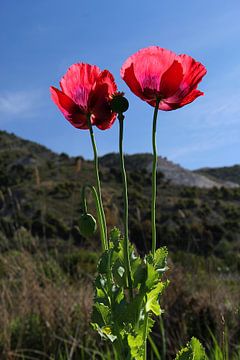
(127, 287)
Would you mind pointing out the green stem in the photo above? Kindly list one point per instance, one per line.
(145, 332)
(97, 179)
(98, 208)
(125, 197)
(154, 177)
(163, 336)
(145, 336)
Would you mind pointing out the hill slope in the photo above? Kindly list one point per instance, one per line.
(174, 173)
(40, 191)
(227, 174)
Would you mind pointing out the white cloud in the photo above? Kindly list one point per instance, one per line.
(19, 103)
(204, 144)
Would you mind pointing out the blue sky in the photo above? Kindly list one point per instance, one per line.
(39, 40)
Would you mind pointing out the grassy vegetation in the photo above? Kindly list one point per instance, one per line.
(47, 268)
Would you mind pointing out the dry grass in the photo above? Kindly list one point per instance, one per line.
(39, 305)
(45, 308)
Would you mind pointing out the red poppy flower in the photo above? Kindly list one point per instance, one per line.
(86, 91)
(156, 73)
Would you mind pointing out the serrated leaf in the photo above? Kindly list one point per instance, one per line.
(105, 332)
(117, 294)
(119, 275)
(100, 291)
(101, 314)
(193, 351)
(121, 271)
(152, 276)
(103, 263)
(118, 254)
(152, 303)
(115, 236)
(160, 259)
(139, 272)
(136, 341)
(149, 258)
(136, 344)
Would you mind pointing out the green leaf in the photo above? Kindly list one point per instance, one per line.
(103, 263)
(119, 273)
(115, 236)
(152, 277)
(193, 351)
(105, 332)
(101, 314)
(139, 272)
(160, 259)
(100, 291)
(152, 303)
(136, 340)
(136, 344)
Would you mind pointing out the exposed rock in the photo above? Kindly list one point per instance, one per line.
(174, 173)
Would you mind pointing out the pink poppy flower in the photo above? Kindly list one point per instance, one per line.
(155, 73)
(86, 91)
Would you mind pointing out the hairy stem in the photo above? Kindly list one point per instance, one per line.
(96, 166)
(125, 197)
(154, 177)
(145, 333)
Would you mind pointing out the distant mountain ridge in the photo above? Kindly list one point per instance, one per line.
(174, 173)
(41, 191)
(226, 173)
(29, 153)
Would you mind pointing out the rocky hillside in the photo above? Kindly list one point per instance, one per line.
(172, 172)
(40, 192)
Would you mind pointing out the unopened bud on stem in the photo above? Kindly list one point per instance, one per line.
(119, 103)
(87, 225)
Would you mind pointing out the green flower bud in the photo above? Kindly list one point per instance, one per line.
(87, 225)
(119, 103)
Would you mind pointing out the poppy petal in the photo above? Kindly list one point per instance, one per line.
(78, 82)
(167, 106)
(69, 109)
(163, 105)
(149, 64)
(156, 72)
(193, 72)
(102, 90)
(99, 100)
(191, 97)
(104, 124)
(171, 80)
(128, 75)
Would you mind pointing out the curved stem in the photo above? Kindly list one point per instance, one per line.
(125, 197)
(98, 208)
(97, 178)
(154, 177)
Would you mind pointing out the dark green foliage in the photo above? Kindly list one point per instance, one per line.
(116, 318)
(193, 351)
(231, 173)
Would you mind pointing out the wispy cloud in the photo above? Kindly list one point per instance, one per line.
(215, 120)
(16, 104)
(204, 144)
